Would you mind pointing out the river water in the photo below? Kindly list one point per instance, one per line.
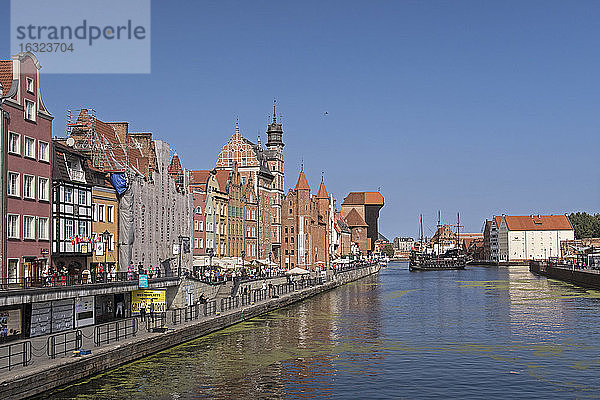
(481, 333)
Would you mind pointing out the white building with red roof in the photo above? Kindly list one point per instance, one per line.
(529, 237)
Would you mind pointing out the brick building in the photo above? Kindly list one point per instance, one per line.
(367, 206)
(26, 132)
(264, 167)
(306, 231)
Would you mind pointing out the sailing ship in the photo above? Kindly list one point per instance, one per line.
(426, 258)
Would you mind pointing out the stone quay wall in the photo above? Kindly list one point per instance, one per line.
(31, 382)
(578, 277)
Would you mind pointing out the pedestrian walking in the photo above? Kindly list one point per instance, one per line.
(152, 310)
(143, 310)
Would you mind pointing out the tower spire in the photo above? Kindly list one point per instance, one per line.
(274, 110)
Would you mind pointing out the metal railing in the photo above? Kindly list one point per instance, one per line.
(157, 323)
(246, 299)
(59, 280)
(259, 294)
(229, 303)
(63, 343)
(185, 314)
(210, 308)
(15, 354)
(115, 331)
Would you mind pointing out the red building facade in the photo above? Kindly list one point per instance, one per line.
(27, 133)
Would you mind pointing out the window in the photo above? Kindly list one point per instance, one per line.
(253, 214)
(101, 212)
(68, 195)
(43, 153)
(110, 214)
(195, 243)
(29, 110)
(195, 225)
(28, 227)
(14, 143)
(111, 242)
(82, 197)
(82, 228)
(198, 210)
(13, 270)
(29, 147)
(29, 85)
(94, 212)
(200, 225)
(29, 186)
(14, 184)
(12, 226)
(68, 229)
(43, 189)
(43, 228)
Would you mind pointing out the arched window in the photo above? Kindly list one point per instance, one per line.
(198, 210)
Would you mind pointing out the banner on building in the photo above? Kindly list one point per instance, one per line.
(157, 296)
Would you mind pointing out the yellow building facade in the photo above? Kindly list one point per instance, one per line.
(105, 217)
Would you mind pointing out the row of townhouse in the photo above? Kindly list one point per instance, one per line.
(241, 213)
(101, 197)
(54, 207)
(510, 238)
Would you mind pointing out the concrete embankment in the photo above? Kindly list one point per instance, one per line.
(31, 381)
(589, 279)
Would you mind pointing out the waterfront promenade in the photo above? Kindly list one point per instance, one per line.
(575, 274)
(44, 373)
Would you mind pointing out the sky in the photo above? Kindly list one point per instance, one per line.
(481, 108)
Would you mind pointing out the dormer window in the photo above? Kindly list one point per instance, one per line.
(29, 83)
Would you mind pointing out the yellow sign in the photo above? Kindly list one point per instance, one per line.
(157, 297)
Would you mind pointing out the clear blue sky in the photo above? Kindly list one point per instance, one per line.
(478, 107)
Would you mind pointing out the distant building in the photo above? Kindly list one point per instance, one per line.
(444, 239)
(532, 237)
(465, 239)
(367, 206)
(403, 244)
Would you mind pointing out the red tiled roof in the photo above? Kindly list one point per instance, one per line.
(354, 219)
(199, 177)
(497, 218)
(538, 223)
(302, 183)
(6, 75)
(367, 198)
(322, 193)
(222, 177)
(175, 167)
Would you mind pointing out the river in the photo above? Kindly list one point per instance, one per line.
(480, 333)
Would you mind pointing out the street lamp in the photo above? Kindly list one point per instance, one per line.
(105, 238)
(180, 238)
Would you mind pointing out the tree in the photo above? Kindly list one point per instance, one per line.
(388, 250)
(585, 225)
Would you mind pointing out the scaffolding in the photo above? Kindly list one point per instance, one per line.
(81, 126)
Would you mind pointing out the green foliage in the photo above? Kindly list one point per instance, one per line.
(388, 250)
(585, 225)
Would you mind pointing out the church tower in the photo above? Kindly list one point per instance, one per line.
(275, 161)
